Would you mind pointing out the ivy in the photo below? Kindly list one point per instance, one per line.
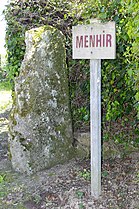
(120, 77)
(132, 53)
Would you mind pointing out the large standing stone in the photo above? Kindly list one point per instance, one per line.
(40, 132)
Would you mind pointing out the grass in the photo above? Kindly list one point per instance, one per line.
(5, 85)
(5, 95)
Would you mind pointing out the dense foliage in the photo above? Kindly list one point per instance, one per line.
(132, 53)
(120, 77)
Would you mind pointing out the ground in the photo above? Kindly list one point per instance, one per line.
(67, 186)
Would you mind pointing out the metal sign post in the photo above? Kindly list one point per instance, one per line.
(95, 42)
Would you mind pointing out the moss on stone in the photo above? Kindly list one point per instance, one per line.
(37, 33)
(9, 152)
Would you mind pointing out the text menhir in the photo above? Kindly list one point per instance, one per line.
(90, 41)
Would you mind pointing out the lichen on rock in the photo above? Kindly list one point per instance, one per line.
(40, 130)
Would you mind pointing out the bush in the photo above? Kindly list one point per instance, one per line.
(120, 77)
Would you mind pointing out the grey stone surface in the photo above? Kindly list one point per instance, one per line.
(82, 144)
(40, 131)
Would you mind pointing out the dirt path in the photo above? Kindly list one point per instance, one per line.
(68, 186)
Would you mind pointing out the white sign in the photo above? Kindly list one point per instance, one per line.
(94, 41)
